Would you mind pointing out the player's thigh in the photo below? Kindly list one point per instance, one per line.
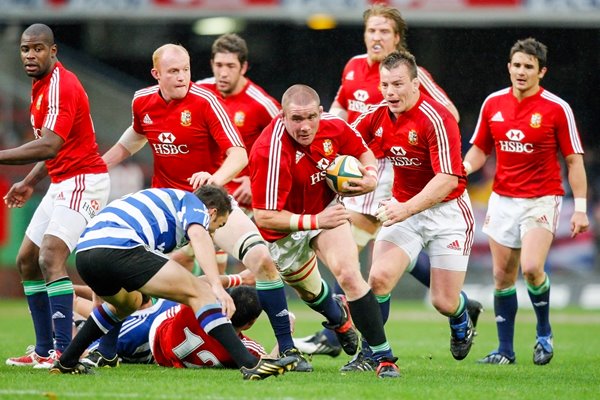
(238, 224)
(336, 248)
(174, 282)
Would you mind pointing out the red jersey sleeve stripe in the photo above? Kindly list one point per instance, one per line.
(263, 100)
(230, 131)
(479, 120)
(53, 100)
(431, 87)
(441, 137)
(573, 133)
(274, 163)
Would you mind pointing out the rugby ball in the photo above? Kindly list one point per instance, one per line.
(343, 169)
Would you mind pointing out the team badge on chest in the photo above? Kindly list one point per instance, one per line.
(186, 118)
(413, 138)
(38, 105)
(239, 118)
(536, 120)
(327, 147)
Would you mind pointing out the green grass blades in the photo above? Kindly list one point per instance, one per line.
(419, 336)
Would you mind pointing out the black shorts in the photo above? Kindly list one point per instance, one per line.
(107, 270)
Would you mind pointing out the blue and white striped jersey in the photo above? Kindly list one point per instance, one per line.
(155, 218)
(133, 346)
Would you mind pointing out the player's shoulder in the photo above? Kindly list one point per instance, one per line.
(148, 91)
(498, 95)
(553, 100)
(206, 81)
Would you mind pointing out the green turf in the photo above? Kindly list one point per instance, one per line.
(419, 336)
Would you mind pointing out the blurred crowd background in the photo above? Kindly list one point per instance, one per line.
(463, 43)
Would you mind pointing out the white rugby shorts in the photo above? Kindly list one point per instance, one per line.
(67, 207)
(508, 219)
(445, 231)
(369, 203)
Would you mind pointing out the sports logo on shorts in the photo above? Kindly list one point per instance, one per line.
(239, 118)
(536, 120)
(412, 137)
(327, 147)
(186, 118)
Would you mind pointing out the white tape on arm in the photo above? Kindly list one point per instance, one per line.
(132, 141)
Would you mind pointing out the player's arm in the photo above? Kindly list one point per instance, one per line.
(474, 159)
(578, 182)
(204, 251)
(337, 109)
(128, 144)
(436, 190)
(236, 159)
(44, 148)
(285, 221)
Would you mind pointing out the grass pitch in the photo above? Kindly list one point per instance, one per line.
(419, 337)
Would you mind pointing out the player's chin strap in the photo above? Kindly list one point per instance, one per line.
(247, 242)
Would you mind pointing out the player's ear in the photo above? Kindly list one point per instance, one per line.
(155, 73)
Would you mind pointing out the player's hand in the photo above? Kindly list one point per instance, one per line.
(243, 193)
(199, 179)
(333, 216)
(18, 195)
(579, 223)
(248, 277)
(391, 211)
(227, 305)
(360, 186)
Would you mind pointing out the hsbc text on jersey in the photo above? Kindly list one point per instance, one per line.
(515, 147)
(167, 149)
(404, 161)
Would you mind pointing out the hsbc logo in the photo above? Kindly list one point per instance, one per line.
(514, 143)
(323, 164)
(166, 137)
(167, 147)
(398, 151)
(400, 160)
(515, 134)
(361, 95)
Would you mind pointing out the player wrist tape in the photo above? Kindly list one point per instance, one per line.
(233, 280)
(580, 204)
(468, 167)
(304, 222)
(372, 171)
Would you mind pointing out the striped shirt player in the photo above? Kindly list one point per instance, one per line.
(251, 110)
(155, 219)
(132, 345)
(185, 135)
(65, 149)
(176, 340)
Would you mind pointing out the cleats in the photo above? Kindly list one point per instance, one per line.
(474, 308)
(498, 359)
(344, 331)
(387, 368)
(95, 359)
(269, 367)
(317, 344)
(32, 359)
(303, 365)
(461, 339)
(78, 369)
(360, 363)
(543, 351)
